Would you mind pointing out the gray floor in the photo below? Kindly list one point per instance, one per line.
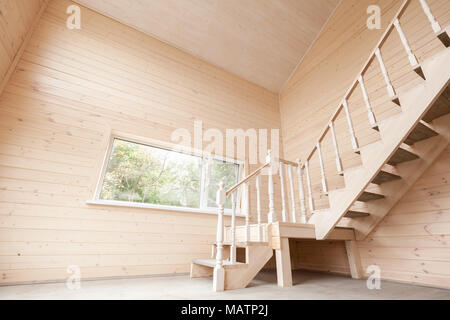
(307, 285)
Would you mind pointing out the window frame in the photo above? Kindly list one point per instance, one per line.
(96, 200)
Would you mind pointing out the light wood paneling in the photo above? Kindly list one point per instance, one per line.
(70, 89)
(17, 18)
(259, 40)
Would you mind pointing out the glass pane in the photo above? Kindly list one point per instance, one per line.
(140, 173)
(221, 171)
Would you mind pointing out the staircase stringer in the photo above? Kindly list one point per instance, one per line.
(257, 257)
(428, 151)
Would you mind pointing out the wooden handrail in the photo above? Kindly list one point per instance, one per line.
(291, 163)
(372, 56)
(247, 178)
(257, 171)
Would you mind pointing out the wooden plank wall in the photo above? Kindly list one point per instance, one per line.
(70, 89)
(419, 225)
(16, 19)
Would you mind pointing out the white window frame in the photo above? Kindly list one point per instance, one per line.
(169, 147)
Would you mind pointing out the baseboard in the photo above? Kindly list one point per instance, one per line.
(22, 283)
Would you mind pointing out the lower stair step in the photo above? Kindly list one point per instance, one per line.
(384, 176)
(420, 132)
(356, 214)
(401, 155)
(369, 196)
(440, 108)
(212, 263)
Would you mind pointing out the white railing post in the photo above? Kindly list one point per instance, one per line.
(258, 205)
(372, 120)
(233, 228)
(271, 216)
(354, 141)
(301, 192)
(247, 211)
(291, 187)
(390, 89)
(412, 58)
(283, 195)
(434, 24)
(308, 184)
(219, 272)
(336, 148)
(322, 168)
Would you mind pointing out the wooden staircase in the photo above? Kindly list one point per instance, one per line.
(409, 143)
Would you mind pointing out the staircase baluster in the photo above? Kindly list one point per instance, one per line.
(291, 185)
(322, 169)
(283, 196)
(372, 120)
(301, 192)
(258, 205)
(219, 272)
(412, 58)
(355, 145)
(247, 211)
(434, 24)
(233, 228)
(308, 184)
(271, 216)
(389, 87)
(336, 148)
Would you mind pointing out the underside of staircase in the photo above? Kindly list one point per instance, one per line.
(253, 255)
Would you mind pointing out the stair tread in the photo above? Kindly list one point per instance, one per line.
(384, 176)
(356, 214)
(212, 263)
(349, 214)
(440, 107)
(321, 210)
(369, 196)
(244, 243)
(419, 133)
(402, 155)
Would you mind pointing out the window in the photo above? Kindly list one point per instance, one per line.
(139, 173)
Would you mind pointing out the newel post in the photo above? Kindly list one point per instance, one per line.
(219, 272)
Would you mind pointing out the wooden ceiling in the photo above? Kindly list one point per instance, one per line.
(260, 40)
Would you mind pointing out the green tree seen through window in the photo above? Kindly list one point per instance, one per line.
(145, 174)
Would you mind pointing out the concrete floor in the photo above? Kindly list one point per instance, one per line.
(308, 285)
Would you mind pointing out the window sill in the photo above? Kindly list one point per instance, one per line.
(126, 204)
